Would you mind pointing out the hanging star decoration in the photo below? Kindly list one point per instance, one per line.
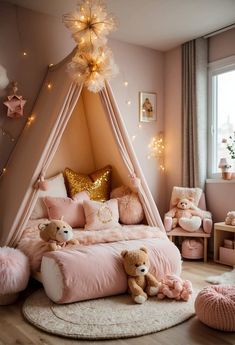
(93, 62)
(15, 103)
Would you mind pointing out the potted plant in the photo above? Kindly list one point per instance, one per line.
(226, 174)
(225, 167)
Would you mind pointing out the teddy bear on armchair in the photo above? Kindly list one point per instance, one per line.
(186, 215)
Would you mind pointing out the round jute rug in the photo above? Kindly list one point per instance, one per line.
(105, 318)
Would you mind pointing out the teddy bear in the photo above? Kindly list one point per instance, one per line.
(230, 218)
(57, 233)
(129, 205)
(186, 214)
(141, 283)
(174, 287)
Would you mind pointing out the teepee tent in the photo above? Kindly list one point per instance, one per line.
(59, 101)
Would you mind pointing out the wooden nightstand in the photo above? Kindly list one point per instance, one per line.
(222, 232)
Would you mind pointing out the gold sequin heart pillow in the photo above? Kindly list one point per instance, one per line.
(97, 184)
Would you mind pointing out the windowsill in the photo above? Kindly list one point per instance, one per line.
(219, 180)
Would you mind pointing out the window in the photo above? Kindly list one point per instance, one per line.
(221, 111)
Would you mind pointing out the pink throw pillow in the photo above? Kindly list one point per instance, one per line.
(71, 210)
(101, 215)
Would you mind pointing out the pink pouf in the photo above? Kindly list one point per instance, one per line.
(14, 274)
(215, 307)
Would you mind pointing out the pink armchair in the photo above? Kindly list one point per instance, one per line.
(204, 231)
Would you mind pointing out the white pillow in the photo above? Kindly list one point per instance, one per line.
(56, 188)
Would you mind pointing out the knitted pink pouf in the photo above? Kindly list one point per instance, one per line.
(14, 274)
(215, 307)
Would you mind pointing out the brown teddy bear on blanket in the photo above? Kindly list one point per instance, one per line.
(141, 283)
(57, 233)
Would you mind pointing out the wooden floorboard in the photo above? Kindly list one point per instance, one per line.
(14, 330)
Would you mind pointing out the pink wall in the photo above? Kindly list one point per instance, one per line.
(46, 41)
(144, 70)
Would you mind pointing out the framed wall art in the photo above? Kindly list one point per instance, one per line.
(148, 106)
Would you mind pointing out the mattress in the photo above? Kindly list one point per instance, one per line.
(94, 268)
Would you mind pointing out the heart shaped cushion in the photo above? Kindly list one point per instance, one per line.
(190, 224)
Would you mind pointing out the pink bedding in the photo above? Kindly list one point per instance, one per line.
(97, 271)
(31, 244)
(94, 268)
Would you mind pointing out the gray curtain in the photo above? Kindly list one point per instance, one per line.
(194, 112)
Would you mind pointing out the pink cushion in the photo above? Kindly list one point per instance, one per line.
(215, 306)
(101, 215)
(71, 210)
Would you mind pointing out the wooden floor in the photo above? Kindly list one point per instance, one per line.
(14, 330)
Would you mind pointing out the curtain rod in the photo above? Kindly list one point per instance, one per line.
(216, 32)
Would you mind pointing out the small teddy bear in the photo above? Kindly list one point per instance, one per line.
(174, 287)
(186, 215)
(141, 283)
(230, 218)
(57, 233)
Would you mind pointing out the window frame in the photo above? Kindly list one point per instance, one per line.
(214, 69)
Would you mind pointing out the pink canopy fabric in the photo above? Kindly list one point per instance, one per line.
(39, 142)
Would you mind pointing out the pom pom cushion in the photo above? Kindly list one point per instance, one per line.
(71, 210)
(97, 184)
(14, 274)
(101, 215)
(215, 306)
(129, 205)
(55, 188)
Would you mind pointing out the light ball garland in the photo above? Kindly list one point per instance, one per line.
(90, 23)
(93, 68)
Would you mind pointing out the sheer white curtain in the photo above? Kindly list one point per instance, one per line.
(194, 112)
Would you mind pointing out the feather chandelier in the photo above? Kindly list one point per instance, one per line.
(93, 62)
(93, 68)
(90, 23)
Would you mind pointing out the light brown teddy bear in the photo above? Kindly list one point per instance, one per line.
(230, 218)
(186, 214)
(141, 283)
(57, 233)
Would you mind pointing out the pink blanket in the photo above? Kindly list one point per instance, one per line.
(31, 244)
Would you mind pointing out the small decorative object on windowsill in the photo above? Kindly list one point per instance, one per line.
(230, 146)
(15, 103)
(224, 166)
